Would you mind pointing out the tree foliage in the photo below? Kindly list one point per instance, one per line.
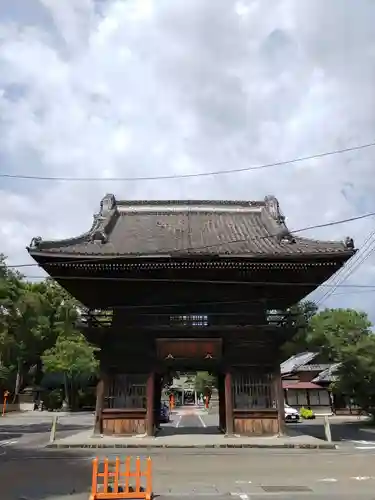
(301, 314)
(344, 336)
(38, 332)
(71, 355)
(204, 382)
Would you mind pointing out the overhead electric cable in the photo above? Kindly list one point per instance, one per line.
(363, 255)
(186, 176)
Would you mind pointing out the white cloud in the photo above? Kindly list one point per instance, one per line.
(130, 88)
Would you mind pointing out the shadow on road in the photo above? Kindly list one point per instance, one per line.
(41, 475)
(16, 431)
(341, 431)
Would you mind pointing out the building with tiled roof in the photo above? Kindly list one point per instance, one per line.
(185, 285)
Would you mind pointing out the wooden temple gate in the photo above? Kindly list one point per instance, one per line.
(195, 285)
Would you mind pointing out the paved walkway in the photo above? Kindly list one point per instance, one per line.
(191, 428)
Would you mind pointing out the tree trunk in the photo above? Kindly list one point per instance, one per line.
(66, 403)
(18, 380)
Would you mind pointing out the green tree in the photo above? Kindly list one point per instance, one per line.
(332, 329)
(19, 325)
(344, 336)
(72, 356)
(204, 382)
(25, 332)
(301, 315)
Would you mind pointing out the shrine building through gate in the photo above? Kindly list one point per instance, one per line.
(195, 285)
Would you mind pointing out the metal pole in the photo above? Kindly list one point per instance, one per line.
(327, 429)
(52, 435)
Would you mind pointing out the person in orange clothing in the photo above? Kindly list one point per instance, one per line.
(171, 401)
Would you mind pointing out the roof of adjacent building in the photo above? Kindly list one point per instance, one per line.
(299, 385)
(328, 375)
(294, 362)
(232, 228)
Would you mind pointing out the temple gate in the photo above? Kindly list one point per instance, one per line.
(195, 285)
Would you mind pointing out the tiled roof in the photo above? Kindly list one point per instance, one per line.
(328, 375)
(294, 362)
(238, 228)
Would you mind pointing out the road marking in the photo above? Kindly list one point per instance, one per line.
(177, 424)
(364, 445)
(243, 496)
(328, 480)
(202, 421)
(243, 482)
(361, 478)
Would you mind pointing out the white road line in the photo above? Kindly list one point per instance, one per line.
(328, 480)
(361, 478)
(202, 421)
(365, 447)
(177, 424)
(243, 496)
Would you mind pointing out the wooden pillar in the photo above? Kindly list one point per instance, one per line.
(280, 402)
(150, 391)
(100, 393)
(229, 424)
(157, 400)
(221, 389)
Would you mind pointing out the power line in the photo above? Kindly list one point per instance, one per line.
(346, 271)
(185, 176)
(185, 250)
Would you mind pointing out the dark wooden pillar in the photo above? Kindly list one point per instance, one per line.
(157, 400)
(100, 393)
(280, 402)
(150, 392)
(229, 424)
(221, 389)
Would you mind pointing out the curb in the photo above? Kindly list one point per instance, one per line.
(320, 446)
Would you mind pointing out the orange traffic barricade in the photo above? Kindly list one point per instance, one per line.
(118, 480)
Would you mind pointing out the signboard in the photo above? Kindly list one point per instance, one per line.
(189, 349)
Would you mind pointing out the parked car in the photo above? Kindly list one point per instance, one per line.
(291, 414)
(164, 413)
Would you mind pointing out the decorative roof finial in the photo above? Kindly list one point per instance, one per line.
(35, 242)
(349, 243)
(273, 207)
(107, 204)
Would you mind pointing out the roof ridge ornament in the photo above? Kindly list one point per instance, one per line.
(349, 243)
(107, 204)
(35, 242)
(273, 208)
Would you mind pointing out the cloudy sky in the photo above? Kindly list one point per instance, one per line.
(130, 88)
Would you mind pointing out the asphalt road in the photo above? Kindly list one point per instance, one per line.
(28, 471)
